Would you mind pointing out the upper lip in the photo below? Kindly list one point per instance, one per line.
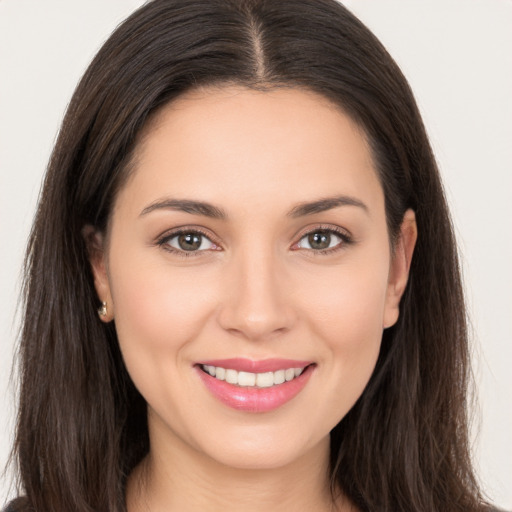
(248, 365)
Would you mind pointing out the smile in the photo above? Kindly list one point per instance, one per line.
(255, 386)
(248, 379)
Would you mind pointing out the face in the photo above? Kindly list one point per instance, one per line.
(249, 272)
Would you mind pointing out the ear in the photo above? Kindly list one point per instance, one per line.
(95, 243)
(399, 267)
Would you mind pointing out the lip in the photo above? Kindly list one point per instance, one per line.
(253, 399)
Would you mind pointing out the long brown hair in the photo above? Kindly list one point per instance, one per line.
(82, 424)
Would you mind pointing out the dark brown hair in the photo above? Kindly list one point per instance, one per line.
(82, 424)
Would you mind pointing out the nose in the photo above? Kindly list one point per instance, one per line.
(257, 301)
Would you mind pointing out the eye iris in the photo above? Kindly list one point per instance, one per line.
(319, 240)
(189, 241)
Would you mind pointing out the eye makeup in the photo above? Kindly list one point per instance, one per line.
(193, 241)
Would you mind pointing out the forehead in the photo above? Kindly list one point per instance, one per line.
(232, 142)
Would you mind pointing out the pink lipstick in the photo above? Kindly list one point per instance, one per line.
(255, 386)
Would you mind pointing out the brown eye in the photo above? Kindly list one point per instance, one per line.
(190, 242)
(320, 240)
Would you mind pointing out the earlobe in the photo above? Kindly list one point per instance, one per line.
(95, 243)
(400, 266)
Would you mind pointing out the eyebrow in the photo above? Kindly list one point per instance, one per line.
(187, 206)
(322, 205)
(209, 210)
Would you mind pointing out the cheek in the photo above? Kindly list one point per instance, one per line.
(158, 310)
(347, 304)
(347, 316)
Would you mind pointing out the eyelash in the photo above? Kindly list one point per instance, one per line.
(165, 239)
(346, 239)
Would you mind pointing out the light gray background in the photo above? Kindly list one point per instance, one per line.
(457, 56)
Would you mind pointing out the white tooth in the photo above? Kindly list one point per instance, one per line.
(265, 380)
(232, 376)
(210, 369)
(220, 373)
(246, 379)
(279, 377)
(298, 371)
(289, 374)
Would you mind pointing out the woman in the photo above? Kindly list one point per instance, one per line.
(259, 345)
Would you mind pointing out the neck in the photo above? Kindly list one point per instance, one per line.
(189, 480)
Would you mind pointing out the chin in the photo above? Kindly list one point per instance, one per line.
(250, 448)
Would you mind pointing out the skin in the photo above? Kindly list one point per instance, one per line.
(257, 290)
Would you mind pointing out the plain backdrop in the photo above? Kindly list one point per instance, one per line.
(457, 57)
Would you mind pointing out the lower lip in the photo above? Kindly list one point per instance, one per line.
(253, 399)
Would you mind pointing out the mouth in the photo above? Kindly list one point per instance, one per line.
(255, 386)
(250, 379)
